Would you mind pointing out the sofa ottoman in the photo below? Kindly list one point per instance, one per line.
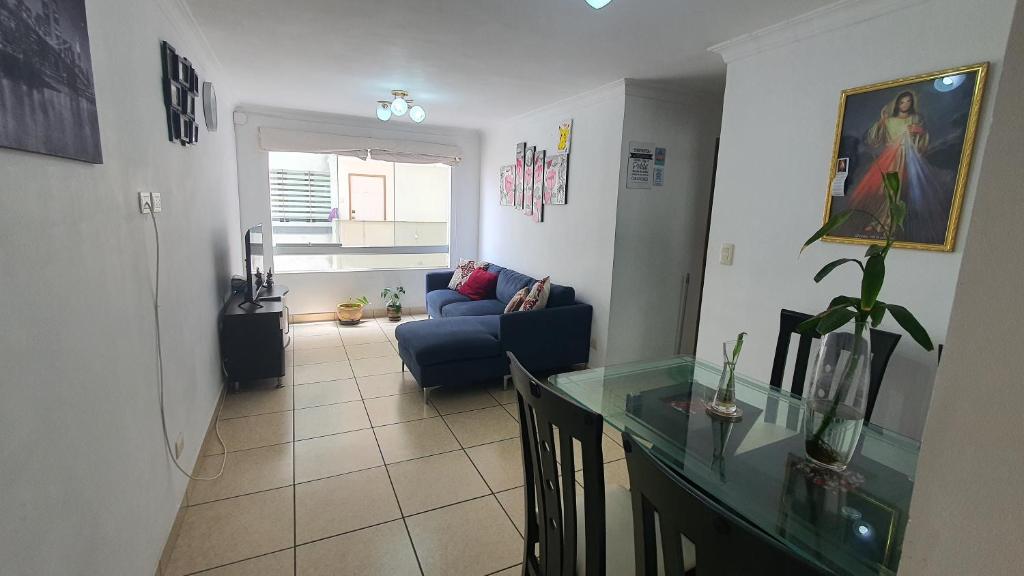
(460, 350)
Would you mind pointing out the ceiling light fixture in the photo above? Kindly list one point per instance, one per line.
(399, 106)
(598, 4)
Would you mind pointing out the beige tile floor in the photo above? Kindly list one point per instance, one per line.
(345, 471)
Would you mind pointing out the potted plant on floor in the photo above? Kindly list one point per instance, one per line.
(393, 302)
(842, 369)
(351, 312)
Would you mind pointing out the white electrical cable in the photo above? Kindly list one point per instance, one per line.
(160, 375)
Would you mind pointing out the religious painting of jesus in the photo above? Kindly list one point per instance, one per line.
(922, 128)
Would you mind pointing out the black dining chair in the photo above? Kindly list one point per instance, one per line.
(883, 344)
(696, 535)
(562, 537)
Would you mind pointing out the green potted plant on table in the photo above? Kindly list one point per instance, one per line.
(842, 370)
(393, 302)
(351, 311)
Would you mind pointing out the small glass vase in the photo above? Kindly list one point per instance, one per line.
(838, 395)
(724, 403)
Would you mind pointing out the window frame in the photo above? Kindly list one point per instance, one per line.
(337, 249)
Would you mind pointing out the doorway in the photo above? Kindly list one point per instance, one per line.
(367, 198)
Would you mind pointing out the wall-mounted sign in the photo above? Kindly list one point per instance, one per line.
(640, 165)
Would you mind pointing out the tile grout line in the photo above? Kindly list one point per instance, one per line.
(492, 494)
(408, 533)
(296, 483)
(235, 562)
(295, 496)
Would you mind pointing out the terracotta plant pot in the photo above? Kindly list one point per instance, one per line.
(394, 313)
(350, 313)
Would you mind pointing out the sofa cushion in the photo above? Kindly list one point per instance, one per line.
(537, 299)
(510, 282)
(561, 296)
(480, 285)
(517, 301)
(438, 299)
(473, 308)
(430, 342)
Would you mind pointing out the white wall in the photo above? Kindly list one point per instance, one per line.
(575, 243)
(967, 511)
(777, 131)
(87, 485)
(322, 291)
(659, 233)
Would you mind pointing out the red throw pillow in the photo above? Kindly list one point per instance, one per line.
(480, 284)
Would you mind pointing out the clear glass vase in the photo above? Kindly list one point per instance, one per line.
(725, 397)
(838, 395)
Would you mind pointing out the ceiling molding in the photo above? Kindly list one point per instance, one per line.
(187, 27)
(598, 94)
(653, 90)
(825, 19)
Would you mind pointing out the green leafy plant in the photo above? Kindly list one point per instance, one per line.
(392, 297)
(362, 301)
(867, 307)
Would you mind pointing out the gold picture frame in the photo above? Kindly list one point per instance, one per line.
(868, 142)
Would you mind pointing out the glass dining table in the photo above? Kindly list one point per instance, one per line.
(846, 523)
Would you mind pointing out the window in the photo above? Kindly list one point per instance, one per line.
(336, 213)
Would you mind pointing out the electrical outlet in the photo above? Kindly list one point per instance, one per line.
(157, 204)
(725, 258)
(145, 201)
(179, 446)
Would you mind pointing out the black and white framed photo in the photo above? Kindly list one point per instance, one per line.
(48, 102)
(181, 88)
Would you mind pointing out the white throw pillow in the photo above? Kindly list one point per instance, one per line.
(538, 296)
(463, 270)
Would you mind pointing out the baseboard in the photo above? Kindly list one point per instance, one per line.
(367, 313)
(172, 537)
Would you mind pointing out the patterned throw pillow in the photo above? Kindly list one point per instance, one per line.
(538, 296)
(463, 270)
(516, 302)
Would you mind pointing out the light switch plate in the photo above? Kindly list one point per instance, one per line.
(157, 204)
(725, 257)
(144, 202)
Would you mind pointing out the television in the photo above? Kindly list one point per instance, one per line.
(253, 261)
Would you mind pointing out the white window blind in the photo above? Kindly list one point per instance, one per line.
(300, 196)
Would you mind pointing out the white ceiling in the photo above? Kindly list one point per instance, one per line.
(469, 62)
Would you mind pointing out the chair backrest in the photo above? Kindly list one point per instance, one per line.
(725, 544)
(550, 546)
(883, 344)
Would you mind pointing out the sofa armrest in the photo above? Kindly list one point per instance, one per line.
(439, 280)
(548, 338)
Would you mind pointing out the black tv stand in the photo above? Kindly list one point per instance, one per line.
(253, 336)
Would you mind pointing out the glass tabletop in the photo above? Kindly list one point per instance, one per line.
(850, 522)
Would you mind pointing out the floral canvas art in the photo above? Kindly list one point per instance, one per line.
(556, 168)
(520, 171)
(538, 186)
(922, 128)
(528, 181)
(507, 185)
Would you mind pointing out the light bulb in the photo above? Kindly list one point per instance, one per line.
(598, 4)
(383, 112)
(417, 113)
(399, 106)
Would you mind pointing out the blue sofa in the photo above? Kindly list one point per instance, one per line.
(465, 341)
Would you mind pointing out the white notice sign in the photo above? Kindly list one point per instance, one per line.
(640, 165)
